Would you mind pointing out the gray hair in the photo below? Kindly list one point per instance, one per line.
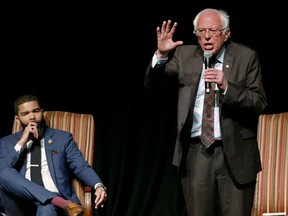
(225, 18)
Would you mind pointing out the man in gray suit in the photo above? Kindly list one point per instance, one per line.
(218, 179)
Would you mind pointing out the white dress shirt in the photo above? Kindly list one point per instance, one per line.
(199, 102)
(46, 176)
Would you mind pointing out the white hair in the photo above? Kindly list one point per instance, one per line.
(225, 18)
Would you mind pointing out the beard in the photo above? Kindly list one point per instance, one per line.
(41, 128)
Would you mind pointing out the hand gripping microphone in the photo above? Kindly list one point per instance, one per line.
(208, 64)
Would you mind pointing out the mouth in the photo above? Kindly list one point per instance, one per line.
(208, 46)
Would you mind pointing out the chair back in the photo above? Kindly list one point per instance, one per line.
(82, 128)
(271, 194)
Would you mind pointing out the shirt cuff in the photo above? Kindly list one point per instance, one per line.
(100, 185)
(19, 147)
(158, 62)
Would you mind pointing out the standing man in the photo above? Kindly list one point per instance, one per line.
(218, 173)
(61, 160)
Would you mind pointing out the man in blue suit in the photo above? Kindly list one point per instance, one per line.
(61, 160)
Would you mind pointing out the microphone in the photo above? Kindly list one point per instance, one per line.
(208, 64)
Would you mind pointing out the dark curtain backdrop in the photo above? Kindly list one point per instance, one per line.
(91, 58)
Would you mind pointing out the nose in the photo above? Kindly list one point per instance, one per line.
(207, 34)
(32, 116)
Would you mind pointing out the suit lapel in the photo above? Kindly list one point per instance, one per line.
(193, 75)
(228, 58)
(50, 152)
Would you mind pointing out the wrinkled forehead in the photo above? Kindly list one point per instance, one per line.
(209, 20)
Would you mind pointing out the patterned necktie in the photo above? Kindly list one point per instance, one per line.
(207, 135)
(35, 169)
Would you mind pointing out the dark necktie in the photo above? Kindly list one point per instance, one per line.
(207, 135)
(36, 163)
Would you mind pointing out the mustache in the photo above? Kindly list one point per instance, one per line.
(41, 124)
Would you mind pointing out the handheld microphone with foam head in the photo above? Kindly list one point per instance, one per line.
(208, 64)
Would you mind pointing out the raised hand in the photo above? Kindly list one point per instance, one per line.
(165, 41)
(29, 132)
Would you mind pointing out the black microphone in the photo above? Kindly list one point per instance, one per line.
(208, 64)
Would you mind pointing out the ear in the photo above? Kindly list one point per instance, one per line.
(17, 118)
(227, 34)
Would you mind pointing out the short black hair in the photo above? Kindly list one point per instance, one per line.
(23, 99)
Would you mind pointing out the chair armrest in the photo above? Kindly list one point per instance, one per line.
(88, 202)
(85, 196)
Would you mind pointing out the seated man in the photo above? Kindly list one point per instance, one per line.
(61, 161)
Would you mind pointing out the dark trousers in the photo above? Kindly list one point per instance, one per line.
(208, 187)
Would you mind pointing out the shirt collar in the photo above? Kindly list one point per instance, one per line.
(220, 55)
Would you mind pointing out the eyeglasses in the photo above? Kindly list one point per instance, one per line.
(212, 31)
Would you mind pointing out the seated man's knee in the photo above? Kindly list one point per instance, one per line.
(7, 173)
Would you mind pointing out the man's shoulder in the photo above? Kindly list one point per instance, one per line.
(236, 45)
(188, 49)
(12, 136)
(56, 131)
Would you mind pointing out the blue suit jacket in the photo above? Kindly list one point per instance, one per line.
(64, 159)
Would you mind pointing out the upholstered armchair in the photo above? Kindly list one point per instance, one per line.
(271, 195)
(83, 129)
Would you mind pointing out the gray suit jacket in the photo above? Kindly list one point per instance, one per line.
(240, 107)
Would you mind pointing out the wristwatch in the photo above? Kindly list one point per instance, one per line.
(102, 186)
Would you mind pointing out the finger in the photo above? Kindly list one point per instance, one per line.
(34, 130)
(168, 27)
(163, 28)
(158, 31)
(99, 203)
(173, 28)
(30, 129)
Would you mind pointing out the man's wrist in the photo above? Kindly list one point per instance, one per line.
(98, 185)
